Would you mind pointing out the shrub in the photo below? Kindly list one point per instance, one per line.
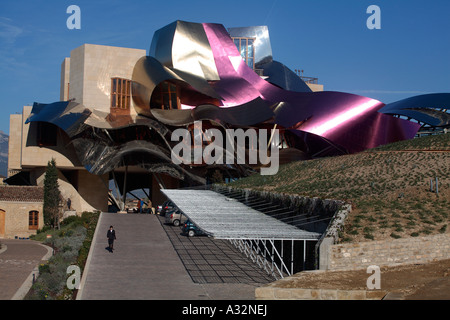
(369, 236)
(395, 236)
(71, 219)
(44, 268)
(70, 245)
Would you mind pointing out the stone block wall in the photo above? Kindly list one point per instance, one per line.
(389, 252)
(16, 218)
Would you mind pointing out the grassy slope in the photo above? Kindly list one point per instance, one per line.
(389, 187)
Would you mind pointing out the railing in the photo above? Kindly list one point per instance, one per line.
(259, 252)
(310, 80)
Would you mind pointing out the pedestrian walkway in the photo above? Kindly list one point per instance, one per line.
(144, 265)
(19, 259)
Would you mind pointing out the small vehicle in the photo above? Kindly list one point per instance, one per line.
(191, 229)
(175, 217)
(167, 205)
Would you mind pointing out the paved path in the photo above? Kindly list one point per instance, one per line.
(214, 261)
(144, 265)
(17, 263)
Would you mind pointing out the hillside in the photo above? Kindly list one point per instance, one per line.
(388, 187)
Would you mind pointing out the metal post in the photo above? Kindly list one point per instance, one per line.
(125, 187)
(437, 186)
(304, 254)
(292, 256)
(273, 252)
(282, 257)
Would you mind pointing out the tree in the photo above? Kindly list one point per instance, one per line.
(217, 177)
(52, 195)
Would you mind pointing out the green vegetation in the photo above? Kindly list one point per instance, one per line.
(71, 245)
(52, 195)
(388, 187)
(437, 142)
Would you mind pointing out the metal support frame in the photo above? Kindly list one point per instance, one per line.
(124, 195)
(265, 254)
(121, 205)
(159, 181)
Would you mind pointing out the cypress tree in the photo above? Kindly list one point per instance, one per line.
(52, 195)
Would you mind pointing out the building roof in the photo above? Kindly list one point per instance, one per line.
(22, 193)
(226, 218)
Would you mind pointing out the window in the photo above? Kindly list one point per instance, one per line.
(246, 49)
(120, 93)
(33, 220)
(46, 134)
(166, 96)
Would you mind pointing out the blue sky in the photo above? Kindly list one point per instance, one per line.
(328, 39)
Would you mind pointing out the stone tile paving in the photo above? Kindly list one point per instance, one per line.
(210, 260)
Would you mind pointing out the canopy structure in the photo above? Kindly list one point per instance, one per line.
(226, 218)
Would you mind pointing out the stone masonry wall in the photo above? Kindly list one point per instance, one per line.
(389, 252)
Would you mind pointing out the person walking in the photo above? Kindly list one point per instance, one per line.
(111, 235)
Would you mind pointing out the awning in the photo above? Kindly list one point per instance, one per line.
(226, 218)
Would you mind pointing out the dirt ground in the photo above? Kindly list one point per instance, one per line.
(430, 281)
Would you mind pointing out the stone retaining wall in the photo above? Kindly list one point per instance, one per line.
(389, 252)
(272, 292)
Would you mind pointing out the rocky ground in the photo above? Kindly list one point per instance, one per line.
(430, 281)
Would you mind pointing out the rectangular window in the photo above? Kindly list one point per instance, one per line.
(33, 220)
(246, 48)
(169, 96)
(120, 93)
(46, 135)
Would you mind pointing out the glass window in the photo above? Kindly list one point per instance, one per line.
(237, 43)
(114, 85)
(250, 47)
(246, 49)
(250, 62)
(33, 220)
(46, 135)
(167, 98)
(120, 93)
(242, 52)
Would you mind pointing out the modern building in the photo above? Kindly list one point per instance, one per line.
(86, 77)
(120, 107)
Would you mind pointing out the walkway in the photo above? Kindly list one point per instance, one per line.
(145, 265)
(17, 264)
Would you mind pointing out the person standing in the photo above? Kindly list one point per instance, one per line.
(111, 236)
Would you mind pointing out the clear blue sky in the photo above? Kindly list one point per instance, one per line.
(328, 39)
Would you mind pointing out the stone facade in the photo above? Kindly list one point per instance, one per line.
(15, 206)
(86, 78)
(87, 192)
(91, 70)
(25, 153)
(389, 252)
